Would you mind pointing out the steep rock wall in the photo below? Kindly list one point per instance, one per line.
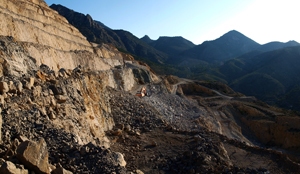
(35, 22)
(32, 34)
(50, 39)
(18, 58)
(283, 132)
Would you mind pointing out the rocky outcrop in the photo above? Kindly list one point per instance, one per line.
(284, 131)
(72, 99)
(34, 34)
(143, 76)
(39, 35)
(74, 102)
(35, 22)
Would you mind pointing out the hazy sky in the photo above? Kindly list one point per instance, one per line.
(196, 20)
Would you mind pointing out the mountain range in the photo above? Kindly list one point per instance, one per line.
(97, 32)
(268, 72)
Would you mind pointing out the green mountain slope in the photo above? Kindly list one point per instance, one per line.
(270, 76)
(291, 99)
(277, 45)
(263, 86)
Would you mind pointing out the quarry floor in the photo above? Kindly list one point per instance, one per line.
(170, 148)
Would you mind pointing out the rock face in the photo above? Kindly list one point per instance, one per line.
(39, 35)
(283, 131)
(34, 155)
(59, 80)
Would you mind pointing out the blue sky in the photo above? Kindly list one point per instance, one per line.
(196, 20)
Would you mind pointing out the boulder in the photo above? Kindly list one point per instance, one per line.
(41, 75)
(2, 99)
(34, 155)
(52, 101)
(52, 116)
(3, 87)
(2, 161)
(29, 84)
(42, 111)
(61, 98)
(58, 90)
(62, 73)
(61, 170)
(10, 168)
(117, 132)
(31, 81)
(19, 86)
(12, 87)
(119, 158)
(37, 92)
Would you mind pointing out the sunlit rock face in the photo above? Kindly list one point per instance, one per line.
(48, 38)
(31, 35)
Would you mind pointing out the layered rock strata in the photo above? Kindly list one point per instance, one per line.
(48, 38)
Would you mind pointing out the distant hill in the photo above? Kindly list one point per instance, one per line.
(97, 32)
(230, 45)
(147, 39)
(172, 45)
(277, 45)
(140, 48)
(270, 76)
